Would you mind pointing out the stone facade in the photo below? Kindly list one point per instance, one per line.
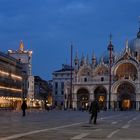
(11, 81)
(59, 78)
(91, 79)
(25, 57)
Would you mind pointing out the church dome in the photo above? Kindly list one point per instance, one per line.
(135, 43)
(105, 57)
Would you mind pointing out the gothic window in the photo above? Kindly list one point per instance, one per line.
(61, 103)
(62, 85)
(85, 79)
(56, 85)
(135, 54)
(62, 92)
(102, 78)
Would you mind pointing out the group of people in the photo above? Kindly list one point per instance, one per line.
(93, 110)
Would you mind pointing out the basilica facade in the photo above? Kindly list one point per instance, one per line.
(114, 81)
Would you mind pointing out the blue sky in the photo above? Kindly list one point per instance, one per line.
(49, 26)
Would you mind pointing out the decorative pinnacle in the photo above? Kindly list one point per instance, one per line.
(110, 46)
(21, 47)
(93, 55)
(110, 37)
(76, 57)
(126, 44)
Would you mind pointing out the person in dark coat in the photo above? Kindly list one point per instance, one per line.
(24, 107)
(93, 110)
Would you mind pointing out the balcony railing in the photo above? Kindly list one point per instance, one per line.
(105, 80)
(91, 82)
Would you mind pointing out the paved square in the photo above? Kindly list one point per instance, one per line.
(69, 125)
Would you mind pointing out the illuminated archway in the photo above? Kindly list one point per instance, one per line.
(126, 96)
(100, 94)
(82, 98)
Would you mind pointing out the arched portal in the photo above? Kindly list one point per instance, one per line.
(100, 94)
(82, 99)
(126, 96)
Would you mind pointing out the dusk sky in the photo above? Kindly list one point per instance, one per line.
(47, 27)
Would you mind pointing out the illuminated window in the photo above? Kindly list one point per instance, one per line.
(101, 98)
(126, 103)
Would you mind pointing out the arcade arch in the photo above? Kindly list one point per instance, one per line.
(100, 94)
(126, 96)
(82, 98)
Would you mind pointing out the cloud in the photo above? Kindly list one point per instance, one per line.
(76, 8)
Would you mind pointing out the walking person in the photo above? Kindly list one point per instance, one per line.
(93, 110)
(24, 107)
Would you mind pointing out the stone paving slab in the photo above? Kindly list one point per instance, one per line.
(68, 125)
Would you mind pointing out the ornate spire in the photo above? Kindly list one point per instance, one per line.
(110, 46)
(110, 37)
(21, 47)
(102, 60)
(126, 45)
(87, 60)
(76, 60)
(127, 49)
(82, 60)
(93, 55)
(93, 58)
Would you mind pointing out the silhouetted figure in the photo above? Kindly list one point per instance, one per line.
(83, 107)
(24, 107)
(93, 110)
(105, 108)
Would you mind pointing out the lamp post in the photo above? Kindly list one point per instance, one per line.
(110, 49)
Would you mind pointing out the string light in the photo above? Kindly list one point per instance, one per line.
(13, 89)
(15, 76)
(10, 98)
(3, 72)
(12, 75)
